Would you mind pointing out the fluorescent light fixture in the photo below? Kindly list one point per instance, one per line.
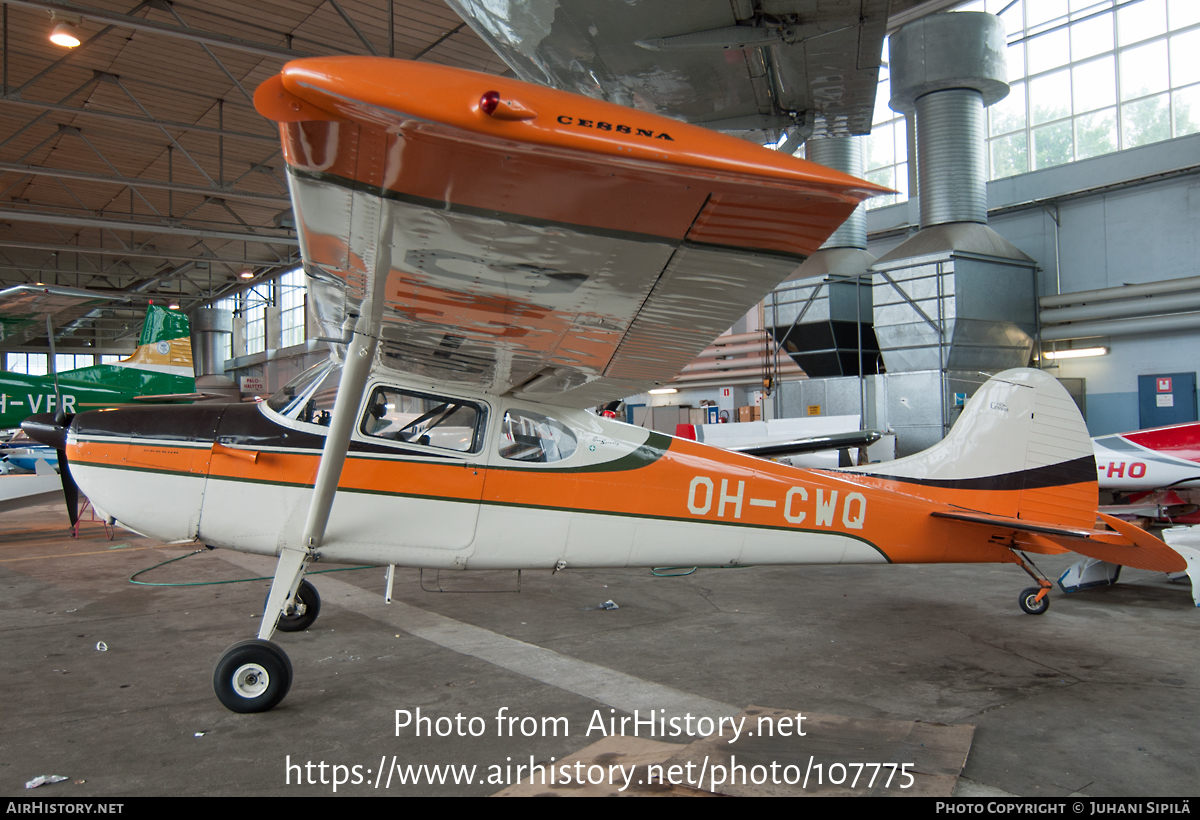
(662, 391)
(64, 34)
(1076, 353)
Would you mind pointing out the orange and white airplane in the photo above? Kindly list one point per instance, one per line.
(496, 257)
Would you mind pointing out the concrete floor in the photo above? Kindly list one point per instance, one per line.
(1096, 697)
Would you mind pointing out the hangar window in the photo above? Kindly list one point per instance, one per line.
(419, 418)
(526, 436)
(309, 397)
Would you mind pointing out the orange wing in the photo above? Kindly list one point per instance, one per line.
(560, 248)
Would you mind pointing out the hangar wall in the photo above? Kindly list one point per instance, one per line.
(1125, 218)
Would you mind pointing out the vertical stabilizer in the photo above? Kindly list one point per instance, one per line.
(1020, 449)
(161, 364)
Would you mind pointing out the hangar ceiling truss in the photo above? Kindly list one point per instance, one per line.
(135, 162)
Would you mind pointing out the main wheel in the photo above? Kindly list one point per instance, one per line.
(1029, 602)
(252, 676)
(300, 615)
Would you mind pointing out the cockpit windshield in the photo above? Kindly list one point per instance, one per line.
(309, 397)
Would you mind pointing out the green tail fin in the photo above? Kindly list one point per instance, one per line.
(163, 325)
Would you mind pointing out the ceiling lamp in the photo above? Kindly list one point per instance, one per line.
(66, 29)
(246, 274)
(173, 306)
(1077, 353)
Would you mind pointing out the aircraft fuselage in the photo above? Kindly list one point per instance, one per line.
(508, 485)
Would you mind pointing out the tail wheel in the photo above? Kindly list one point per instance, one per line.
(301, 613)
(1031, 604)
(252, 676)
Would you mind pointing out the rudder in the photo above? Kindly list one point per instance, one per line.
(1020, 449)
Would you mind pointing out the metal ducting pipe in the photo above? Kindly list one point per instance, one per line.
(1146, 306)
(945, 69)
(209, 328)
(843, 154)
(951, 170)
(727, 381)
(1123, 327)
(748, 372)
(1121, 292)
(785, 364)
(738, 338)
(731, 350)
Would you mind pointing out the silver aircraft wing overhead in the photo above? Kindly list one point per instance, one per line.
(24, 309)
(733, 65)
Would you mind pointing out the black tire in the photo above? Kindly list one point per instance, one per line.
(252, 676)
(1030, 605)
(304, 612)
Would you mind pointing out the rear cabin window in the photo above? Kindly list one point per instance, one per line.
(420, 418)
(532, 437)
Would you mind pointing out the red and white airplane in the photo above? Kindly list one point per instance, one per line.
(1153, 475)
(498, 256)
(1151, 468)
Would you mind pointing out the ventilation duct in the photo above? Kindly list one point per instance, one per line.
(843, 154)
(1156, 307)
(821, 316)
(956, 297)
(210, 327)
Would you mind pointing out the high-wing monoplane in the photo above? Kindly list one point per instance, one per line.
(496, 257)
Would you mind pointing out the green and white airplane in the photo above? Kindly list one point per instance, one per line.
(160, 369)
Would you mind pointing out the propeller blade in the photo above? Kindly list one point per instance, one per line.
(70, 488)
(51, 430)
(48, 429)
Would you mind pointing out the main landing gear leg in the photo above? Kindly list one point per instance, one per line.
(1033, 600)
(255, 675)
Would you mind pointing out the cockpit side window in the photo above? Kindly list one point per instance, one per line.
(310, 396)
(532, 437)
(420, 418)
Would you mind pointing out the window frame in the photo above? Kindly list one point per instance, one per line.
(505, 461)
(479, 439)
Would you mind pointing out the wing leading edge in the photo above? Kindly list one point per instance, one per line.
(561, 248)
(25, 308)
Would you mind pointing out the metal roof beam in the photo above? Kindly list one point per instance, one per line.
(178, 187)
(154, 122)
(15, 215)
(170, 8)
(164, 131)
(142, 253)
(338, 8)
(140, 24)
(111, 167)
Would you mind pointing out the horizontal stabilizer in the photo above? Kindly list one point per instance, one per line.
(1129, 546)
(165, 398)
(1148, 553)
(1015, 524)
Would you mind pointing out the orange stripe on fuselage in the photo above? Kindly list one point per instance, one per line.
(689, 482)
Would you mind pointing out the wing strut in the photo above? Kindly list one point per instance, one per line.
(255, 675)
(360, 353)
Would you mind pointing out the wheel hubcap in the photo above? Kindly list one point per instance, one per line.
(251, 680)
